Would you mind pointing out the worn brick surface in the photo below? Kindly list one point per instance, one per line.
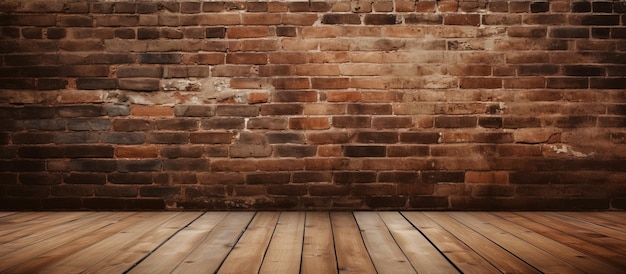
(395, 104)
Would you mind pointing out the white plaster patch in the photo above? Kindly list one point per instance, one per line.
(566, 149)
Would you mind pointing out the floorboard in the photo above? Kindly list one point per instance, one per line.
(313, 242)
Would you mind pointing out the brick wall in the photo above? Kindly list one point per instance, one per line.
(459, 105)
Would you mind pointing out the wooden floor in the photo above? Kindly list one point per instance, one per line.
(312, 242)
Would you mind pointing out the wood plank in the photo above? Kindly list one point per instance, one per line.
(6, 213)
(352, 257)
(574, 257)
(463, 257)
(424, 257)
(597, 220)
(596, 234)
(252, 245)
(615, 217)
(132, 251)
(212, 251)
(90, 249)
(385, 253)
(559, 233)
(499, 257)
(531, 254)
(87, 226)
(42, 225)
(285, 249)
(318, 253)
(173, 252)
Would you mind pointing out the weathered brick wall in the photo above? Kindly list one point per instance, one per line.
(312, 105)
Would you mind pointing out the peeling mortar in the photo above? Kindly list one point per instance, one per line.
(566, 149)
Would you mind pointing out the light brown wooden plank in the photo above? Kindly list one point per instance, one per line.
(590, 232)
(597, 219)
(212, 251)
(424, 257)
(89, 227)
(559, 233)
(614, 217)
(318, 254)
(525, 251)
(590, 221)
(104, 243)
(499, 257)
(576, 258)
(385, 253)
(284, 252)
(456, 251)
(6, 213)
(352, 257)
(173, 252)
(42, 225)
(132, 251)
(252, 245)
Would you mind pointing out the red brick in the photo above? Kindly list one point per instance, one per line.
(141, 110)
(309, 123)
(246, 58)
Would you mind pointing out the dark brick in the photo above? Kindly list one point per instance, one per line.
(583, 70)
(223, 123)
(284, 138)
(312, 176)
(177, 124)
(159, 191)
(76, 138)
(167, 138)
(289, 190)
(39, 179)
(147, 33)
(351, 121)
(183, 164)
(114, 110)
(380, 19)
(182, 152)
(285, 32)
(139, 84)
(428, 202)
(211, 138)
(295, 151)
(268, 178)
(490, 122)
(424, 19)
(399, 177)
(32, 138)
(126, 138)
(365, 151)
(455, 121)
(536, 7)
(160, 58)
(20, 204)
(281, 109)
(130, 178)
(215, 32)
(66, 190)
(600, 20)
(612, 121)
(62, 203)
(581, 6)
(85, 178)
(92, 165)
(569, 32)
(132, 125)
(115, 191)
(89, 124)
(147, 8)
(45, 124)
(236, 110)
(567, 83)
(608, 83)
(432, 177)
(96, 83)
(349, 177)
(602, 7)
(337, 19)
(420, 137)
(408, 151)
(329, 190)
(377, 137)
(372, 109)
(41, 152)
(386, 201)
(138, 165)
(104, 203)
(34, 112)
